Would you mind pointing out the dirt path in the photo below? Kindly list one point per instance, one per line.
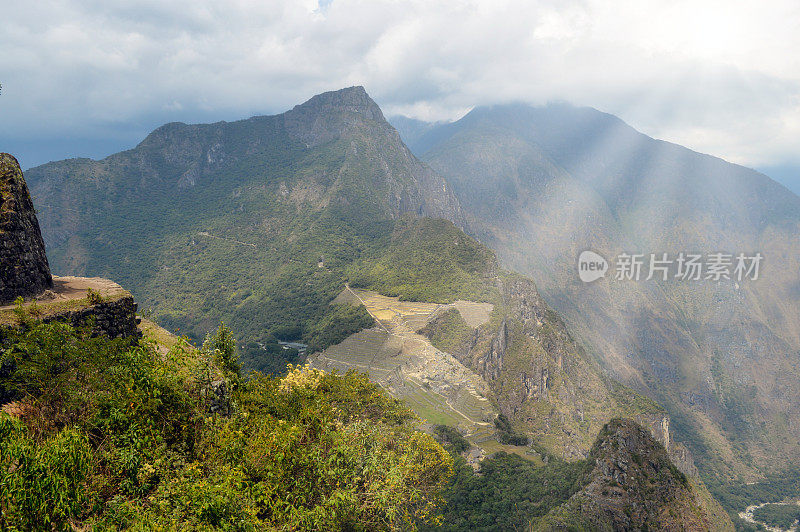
(374, 317)
(209, 235)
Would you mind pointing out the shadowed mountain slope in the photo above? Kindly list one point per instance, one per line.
(541, 185)
(251, 222)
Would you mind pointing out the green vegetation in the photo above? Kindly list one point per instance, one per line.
(268, 356)
(119, 436)
(779, 515)
(506, 433)
(221, 348)
(41, 483)
(429, 260)
(736, 496)
(508, 492)
(451, 439)
(448, 332)
(339, 323)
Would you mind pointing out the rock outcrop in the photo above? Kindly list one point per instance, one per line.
(541, 379)
(100, 304)
(115, 319)
(217, 396)
(351, 117)
(24, 270)
(633, 485)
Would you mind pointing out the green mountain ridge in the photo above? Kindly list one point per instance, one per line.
(541, 185)
(252, 222)
(260, 223)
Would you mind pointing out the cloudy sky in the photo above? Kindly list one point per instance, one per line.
(91, 77)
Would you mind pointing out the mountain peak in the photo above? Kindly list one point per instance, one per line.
(328, 115)
(633, 485)
(354, 99)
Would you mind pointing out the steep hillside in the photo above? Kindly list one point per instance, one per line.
(541, 185)
(632, 485)
(471, 332)
(626, 483)
(539, 376)
(107, 435)
(252, 222)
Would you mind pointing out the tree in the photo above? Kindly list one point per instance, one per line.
(222, 347)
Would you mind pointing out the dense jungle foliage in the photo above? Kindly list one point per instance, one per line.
(108, 435)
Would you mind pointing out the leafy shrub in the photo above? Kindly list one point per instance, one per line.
(117, 436)
(222, 348)
(93, 297)
(506, 433)
(451, 439)
(42, 484)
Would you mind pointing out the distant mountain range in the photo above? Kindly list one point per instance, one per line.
(261, 222)
(541, 185)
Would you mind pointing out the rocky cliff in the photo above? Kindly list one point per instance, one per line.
(633, 485)
(24, 270)
(406, 184)
(540, 378)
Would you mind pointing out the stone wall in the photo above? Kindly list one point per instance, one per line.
(24, 270)
(115, 319)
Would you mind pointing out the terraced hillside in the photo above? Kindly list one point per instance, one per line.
(466, 381)
(434, 383)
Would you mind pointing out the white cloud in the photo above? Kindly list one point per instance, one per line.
(720, 77)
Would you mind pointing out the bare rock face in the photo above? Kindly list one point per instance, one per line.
(24, 270)
(399, 180)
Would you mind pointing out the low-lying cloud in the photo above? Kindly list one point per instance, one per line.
(719, 77)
